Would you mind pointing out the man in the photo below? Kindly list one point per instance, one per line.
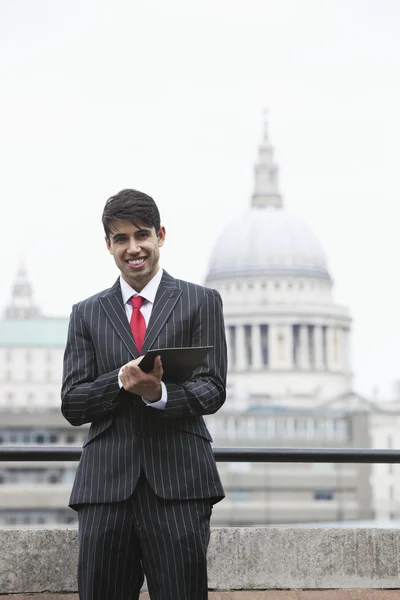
(147, 478)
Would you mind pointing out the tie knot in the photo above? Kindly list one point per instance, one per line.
(137, 301)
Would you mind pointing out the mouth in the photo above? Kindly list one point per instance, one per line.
(136, 263)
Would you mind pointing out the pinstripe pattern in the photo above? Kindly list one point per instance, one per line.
(171, 548)
(171, 448)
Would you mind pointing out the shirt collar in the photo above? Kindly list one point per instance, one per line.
(148, 292)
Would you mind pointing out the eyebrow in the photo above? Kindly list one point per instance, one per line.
(121, 234)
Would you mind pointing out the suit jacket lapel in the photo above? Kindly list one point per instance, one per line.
(113, 306)
(167, 296)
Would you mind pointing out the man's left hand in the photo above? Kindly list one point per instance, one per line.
(136, 381)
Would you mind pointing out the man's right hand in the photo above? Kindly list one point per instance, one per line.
(136, 381)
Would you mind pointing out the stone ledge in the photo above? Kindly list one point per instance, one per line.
(251, 595)
(245, 559)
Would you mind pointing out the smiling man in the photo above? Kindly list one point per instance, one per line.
(147, 478)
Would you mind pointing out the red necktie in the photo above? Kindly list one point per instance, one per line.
(137, 322)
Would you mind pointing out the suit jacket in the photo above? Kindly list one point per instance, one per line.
(126, 437)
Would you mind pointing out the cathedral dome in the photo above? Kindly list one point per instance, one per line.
(267, 240)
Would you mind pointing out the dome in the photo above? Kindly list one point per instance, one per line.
(267, 241)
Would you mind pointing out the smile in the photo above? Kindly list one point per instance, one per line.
(137, 262)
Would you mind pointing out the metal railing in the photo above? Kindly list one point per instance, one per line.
(295, 455)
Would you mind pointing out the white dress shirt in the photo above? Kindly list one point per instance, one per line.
(148, 293)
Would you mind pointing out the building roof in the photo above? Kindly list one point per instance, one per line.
(266, 240)
(33, 333)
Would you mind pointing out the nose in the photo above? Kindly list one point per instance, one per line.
(134, 247)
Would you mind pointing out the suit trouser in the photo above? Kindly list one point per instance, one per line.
(166, 540)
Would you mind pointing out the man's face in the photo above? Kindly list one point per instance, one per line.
(136, 251)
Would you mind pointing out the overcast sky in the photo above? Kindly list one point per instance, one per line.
(167, 97)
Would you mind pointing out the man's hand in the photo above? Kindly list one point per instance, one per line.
(147, 385)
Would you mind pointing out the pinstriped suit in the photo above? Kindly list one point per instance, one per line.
(136, 456)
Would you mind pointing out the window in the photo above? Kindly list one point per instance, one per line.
(28, 357)
(49, 357)
(70, 439)
(69, 475)
(323, 494)
(239, 467)
(240, 494)
(70, 519)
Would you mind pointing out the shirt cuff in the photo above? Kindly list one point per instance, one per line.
(161, 403)
(119, 377)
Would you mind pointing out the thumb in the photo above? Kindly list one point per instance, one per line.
(157, 366)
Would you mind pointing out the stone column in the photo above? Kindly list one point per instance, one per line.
(241, 361)
(256, 347)
(280, 340)
(318, 350)
(289, 347)
(228, 334)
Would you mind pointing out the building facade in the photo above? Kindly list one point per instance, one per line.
(289, 383)
(31, 353)
(289, 358)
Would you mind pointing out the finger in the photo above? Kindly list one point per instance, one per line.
(157, 368)
(135, 371)
(134, 362)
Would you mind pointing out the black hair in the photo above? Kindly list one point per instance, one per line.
(133, 206)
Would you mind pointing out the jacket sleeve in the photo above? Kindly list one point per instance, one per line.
(205, 392)
(85, 397)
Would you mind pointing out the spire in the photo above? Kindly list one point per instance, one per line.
(266, 191)
(21, 305)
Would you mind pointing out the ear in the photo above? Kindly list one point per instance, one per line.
(161, 236)
(108, 244)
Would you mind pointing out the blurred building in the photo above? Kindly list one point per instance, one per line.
(31, 352)
(289, 383)
(289, 360)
